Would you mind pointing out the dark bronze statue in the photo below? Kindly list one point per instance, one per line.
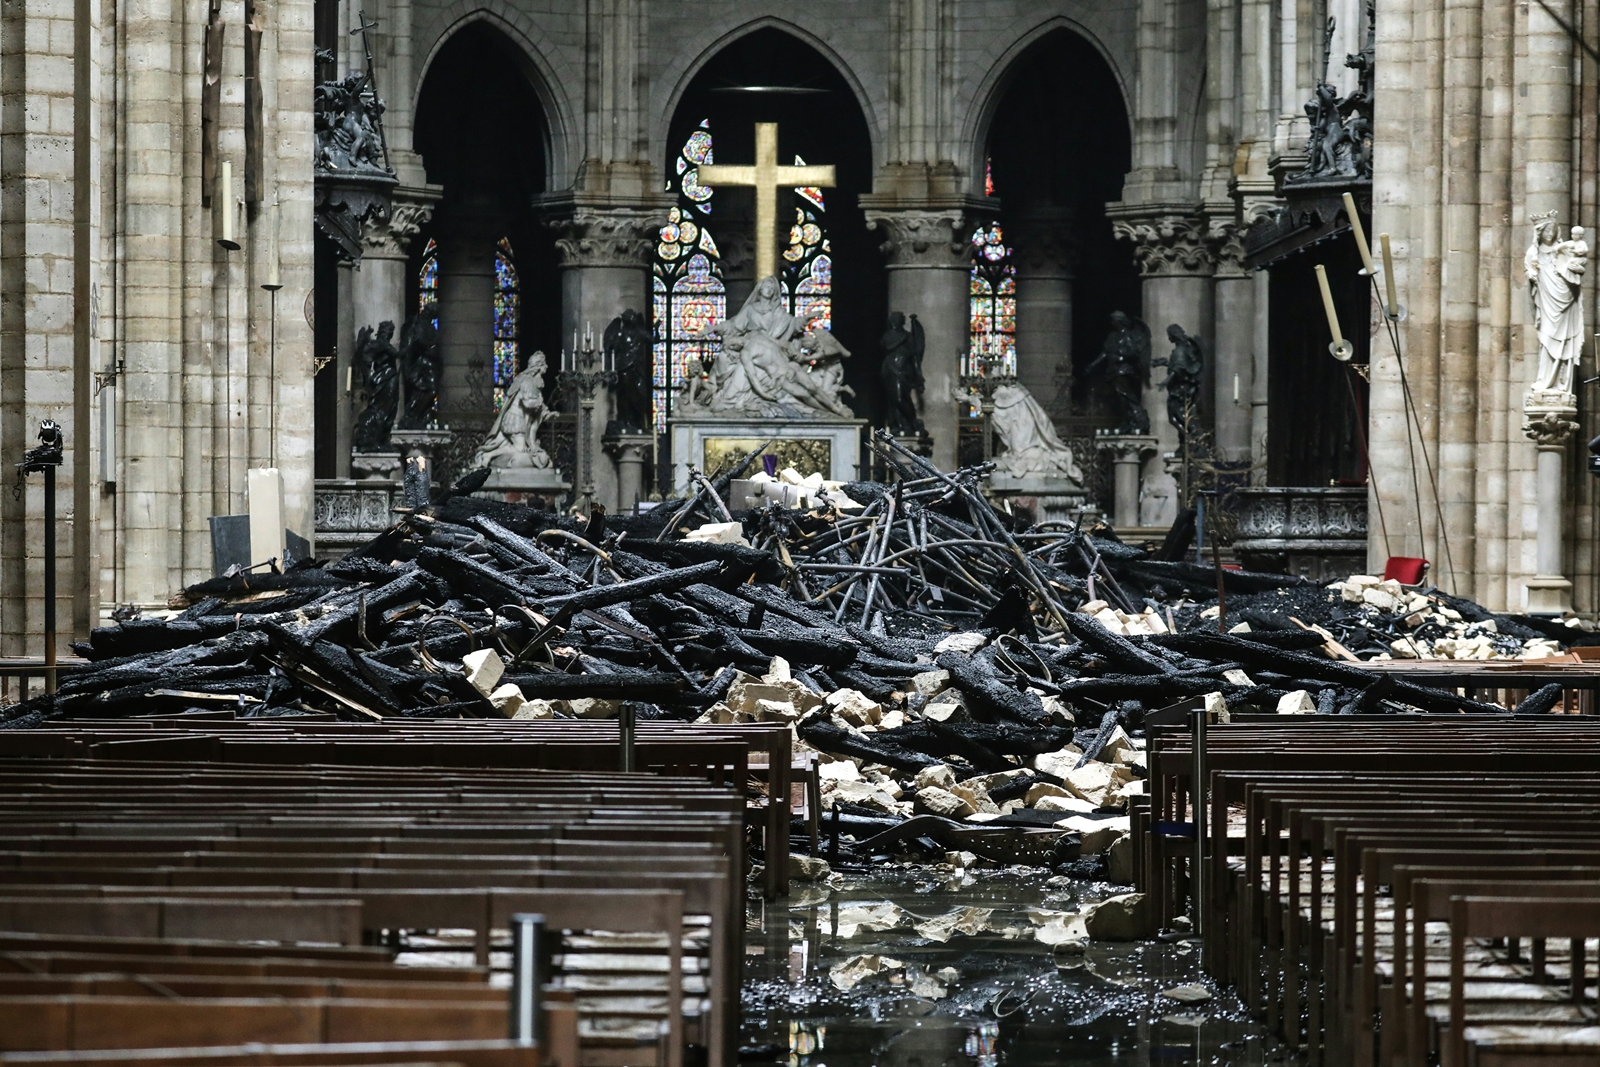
(379, 363)
(348, 126)
(1124, 364)
(629, 345)
(1184, 368)
(421, 363)
(902, 374)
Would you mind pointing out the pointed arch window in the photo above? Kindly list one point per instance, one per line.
(688, 293)
(994, 298)
(808, 261)
(428, 282)
(507, 318)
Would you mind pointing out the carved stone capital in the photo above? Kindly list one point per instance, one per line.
(1044, 244)
(923, 238)
(1225, 238)
(606, 237)
(390, 238)
(1549, 419)
(1166, 245)
(1127, 448)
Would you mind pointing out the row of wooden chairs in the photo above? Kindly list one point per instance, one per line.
(1367, 885)
(354, 874)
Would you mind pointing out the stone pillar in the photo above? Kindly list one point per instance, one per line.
(1549, 422)
(629, 452)
(1232, 355)
(1046, 260)
(1128, 453)
(605, 256)
(1176, 265)
(930, 270)
(378, 288)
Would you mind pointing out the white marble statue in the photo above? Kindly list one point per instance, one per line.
(1032, 446)
(513, 441)
(1555, 276)
(771, 365)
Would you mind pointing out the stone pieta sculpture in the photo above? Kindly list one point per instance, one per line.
(513, 441)
(1032, 446)
(1555, 277)
(771, 365)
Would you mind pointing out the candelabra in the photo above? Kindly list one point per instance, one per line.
(982, 374)
(583, 371)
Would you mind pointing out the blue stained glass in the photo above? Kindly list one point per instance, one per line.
(428, 281)
(507, 316)
(993, 324)
(688, 293)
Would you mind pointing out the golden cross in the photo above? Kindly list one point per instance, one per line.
(767, 178)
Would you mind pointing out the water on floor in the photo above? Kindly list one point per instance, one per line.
(905, 966)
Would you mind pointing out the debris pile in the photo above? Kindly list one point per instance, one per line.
(975, 687)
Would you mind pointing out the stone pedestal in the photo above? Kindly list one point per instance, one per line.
(515, 483)
(831, 447)
(929, 263)
(1549, 420)
(423, 444)
(629, 452)
(1128, 454)
(377, 466)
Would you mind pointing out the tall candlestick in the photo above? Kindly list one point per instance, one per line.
(225, 208)
(1327, 305)
(274, 280)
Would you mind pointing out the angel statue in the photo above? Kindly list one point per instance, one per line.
(1555, 276)
(513, 440)
(902, 373)
(1125, 358)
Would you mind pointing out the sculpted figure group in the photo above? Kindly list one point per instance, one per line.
(771, 365)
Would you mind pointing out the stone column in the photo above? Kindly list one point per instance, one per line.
(1176, 265)
(378, 288)
(629, 452)
(1046, 260)
(605, 255)
(930, 269)
(1549, 422)
(1128, 453)
(1232, 354)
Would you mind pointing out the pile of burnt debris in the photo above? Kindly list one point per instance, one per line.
(942, 657)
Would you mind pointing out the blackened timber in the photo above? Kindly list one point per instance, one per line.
(648, 686)
(605, 595)
(1116, 648)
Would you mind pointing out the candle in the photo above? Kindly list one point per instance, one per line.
(1393, 310)
(274, 280)
(1360, 235)
(1235, 388)
(1327, 305)
(224, 205)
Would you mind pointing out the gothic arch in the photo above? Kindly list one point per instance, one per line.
(986, 95)
(690, 61)
(533, 62)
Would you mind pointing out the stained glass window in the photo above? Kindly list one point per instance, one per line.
(994, 298)
(687, 289)
(507, 312)
(428, 282)
(808, 261)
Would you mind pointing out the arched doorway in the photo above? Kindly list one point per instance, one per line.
(831, 268)
(483, 263)
(1057, 151)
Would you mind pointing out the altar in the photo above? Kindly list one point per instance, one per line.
(708, 442)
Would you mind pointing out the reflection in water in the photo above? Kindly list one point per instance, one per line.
(919, 967)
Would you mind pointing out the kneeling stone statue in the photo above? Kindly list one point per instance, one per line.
(513, 441)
